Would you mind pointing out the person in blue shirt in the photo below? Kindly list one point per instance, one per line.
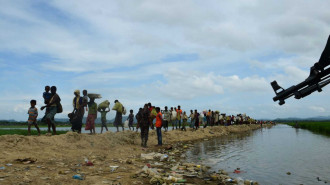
(47, 95)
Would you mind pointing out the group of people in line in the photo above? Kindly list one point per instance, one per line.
(147, 117)
(87, 102)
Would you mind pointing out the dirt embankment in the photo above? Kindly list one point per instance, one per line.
(60, 157)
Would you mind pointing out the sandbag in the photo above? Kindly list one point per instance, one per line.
(126, 124)
(96, 96)
(105, 104)
(174, 113)
(153, 112)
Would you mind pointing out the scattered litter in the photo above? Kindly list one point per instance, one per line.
(169, 147)
(129, 161)
(164, 157)
(9, 164)
(229, 180)
(113, 168)
(237, 171)
(45, 178)
(89, 163)
(288, 173)
(151, 156)
(26, 160)
(2, 168)
(78, 177)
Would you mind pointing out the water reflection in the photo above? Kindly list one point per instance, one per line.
(266, 155)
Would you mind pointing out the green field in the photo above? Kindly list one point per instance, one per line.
(25, 132)
(317, 127)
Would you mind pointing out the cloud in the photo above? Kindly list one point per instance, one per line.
(203, 54)
(317, 109)
(188, 85)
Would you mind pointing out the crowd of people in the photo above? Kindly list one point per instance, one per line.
(147, 117)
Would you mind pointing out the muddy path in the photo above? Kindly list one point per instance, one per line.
(56, 159)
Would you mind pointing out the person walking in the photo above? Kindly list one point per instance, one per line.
(54, 107)
(118, 107)
(78, 112)
(144, 125)
(159, 119)
(92, 115)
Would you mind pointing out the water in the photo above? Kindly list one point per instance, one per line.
(266, 155)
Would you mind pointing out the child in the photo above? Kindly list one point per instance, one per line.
(104, 112)
(130, 120)
(184, 121)
(159, 119)
(47, 96)
(33, 114)
(92, 115)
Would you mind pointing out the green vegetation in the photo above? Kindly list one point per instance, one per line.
(317, 127)
(25, 132)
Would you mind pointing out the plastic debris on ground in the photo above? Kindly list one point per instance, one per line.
(78, 177)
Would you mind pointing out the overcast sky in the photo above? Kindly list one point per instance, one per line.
(219, 55)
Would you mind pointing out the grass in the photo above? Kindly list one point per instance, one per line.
(25, 132)
(317, 127)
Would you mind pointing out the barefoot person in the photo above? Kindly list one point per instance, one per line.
(118, 107)
(92, 115)
(104, 112)
(53, 109)
(159, 120)
(78, 112)
(144, 125)
(138, 117)
(130, 119)
(33, 114)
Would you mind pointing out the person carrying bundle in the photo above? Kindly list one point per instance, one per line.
(102, 108)
(119, 108)
(78, 112)
(92, 115)
(174, 119)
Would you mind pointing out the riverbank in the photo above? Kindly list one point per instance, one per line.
(58, 158)
(57, 125)
(317, 127)
(25, 132)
